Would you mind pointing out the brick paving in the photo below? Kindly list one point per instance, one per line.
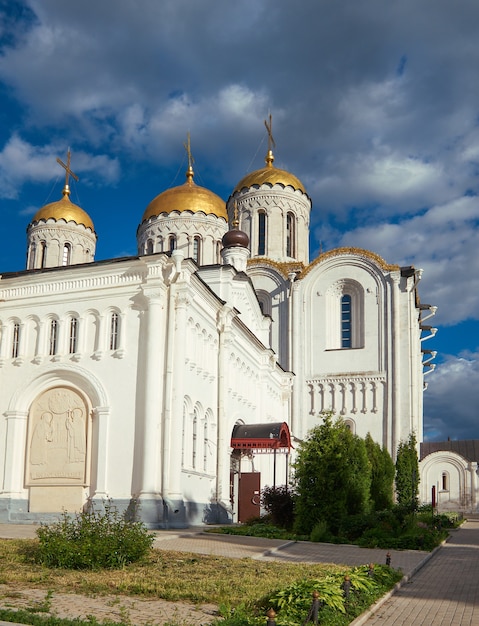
(441, 588)
(445, 592)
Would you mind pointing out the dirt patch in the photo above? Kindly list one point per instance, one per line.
(114, 608)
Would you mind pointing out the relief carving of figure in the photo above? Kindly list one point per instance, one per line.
(58, 444)
(42, 436)
(75, 427)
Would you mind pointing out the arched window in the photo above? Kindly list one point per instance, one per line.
(73, 339)
(345, 315)
(149, 247)
(219, 246)
(15, 340)
(205, 445)
(261, 233)
(67, 252)
(290, 235)
(445, 482)
(114, 331)
(197, 249)
(349, 424)
(53, 343)
(43, 249)
(195, 440)
(171, 243)
(346, 321)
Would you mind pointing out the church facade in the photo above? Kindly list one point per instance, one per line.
(178, 381)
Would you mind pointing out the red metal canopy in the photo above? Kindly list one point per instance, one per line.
(261, 437)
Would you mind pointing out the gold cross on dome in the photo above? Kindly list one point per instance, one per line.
(188, 151)
(68, 171)
(269, 128)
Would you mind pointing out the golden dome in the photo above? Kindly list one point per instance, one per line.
(64, 209)
(270, 175)
(186, 197)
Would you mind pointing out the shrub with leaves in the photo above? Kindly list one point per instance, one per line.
(93, 540)
(293, 603)
(332, 476)
(407, 473)
(279, 503)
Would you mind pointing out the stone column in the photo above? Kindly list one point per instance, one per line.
(172, 441)
(296, 329)
(223, 450)
(101, 429)
(100, 337)
(395, 374)
(14, 495)
(150, 407)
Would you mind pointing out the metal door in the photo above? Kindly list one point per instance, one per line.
(249, 496)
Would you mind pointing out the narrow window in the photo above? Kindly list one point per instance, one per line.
(261, 233)
(444, 481)
(290, 236)
(205, 446)
(67, 251)
(172, 243)
(219, 245)
(73, 341)
(195, 436)
(114, 328)
(196, 249)
(149, 247)
(346, 322)
(53, 337)
(15, 340)
(43, 262)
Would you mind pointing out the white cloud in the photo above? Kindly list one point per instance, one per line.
(452, 399)
(443, 241)
(22, 162)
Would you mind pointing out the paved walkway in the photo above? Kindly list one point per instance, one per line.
(445, 592)
(441, 588)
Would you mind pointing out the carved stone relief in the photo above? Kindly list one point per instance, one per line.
(57, 443)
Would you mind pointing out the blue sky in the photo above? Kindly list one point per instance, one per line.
(375, 108)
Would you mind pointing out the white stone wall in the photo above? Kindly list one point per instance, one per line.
(55, 236)
(276, 202)
(455, 480)
(161, 403)
(376, 384)
(153, 235)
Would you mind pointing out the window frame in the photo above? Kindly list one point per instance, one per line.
(53, 338)
(262, 231)
(290, 235)
(114, 341)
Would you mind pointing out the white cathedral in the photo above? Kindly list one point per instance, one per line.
(178, 381)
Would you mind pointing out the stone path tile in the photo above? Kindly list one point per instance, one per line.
(444, 592)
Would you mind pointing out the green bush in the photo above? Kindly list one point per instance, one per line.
(93, 540)
(279, 503)
(321, 533)
(293, 603)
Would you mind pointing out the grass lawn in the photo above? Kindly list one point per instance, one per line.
(167, 575)
(163, 574)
